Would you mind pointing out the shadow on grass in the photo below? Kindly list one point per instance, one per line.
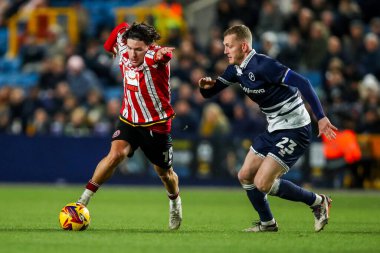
(118, 230)
(181, 231)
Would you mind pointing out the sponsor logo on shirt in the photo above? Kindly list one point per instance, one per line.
(249, 91)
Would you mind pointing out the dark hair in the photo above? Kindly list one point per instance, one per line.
(142, 32)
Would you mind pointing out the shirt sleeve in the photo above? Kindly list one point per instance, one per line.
(272, 71)
(303, 85)
(150, 56)
(110, 43)
(228, 78)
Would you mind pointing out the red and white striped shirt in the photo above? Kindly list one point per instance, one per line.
(146, 100)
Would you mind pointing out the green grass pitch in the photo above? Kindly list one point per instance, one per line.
(135, 219)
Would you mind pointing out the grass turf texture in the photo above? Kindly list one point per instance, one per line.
(126, 219)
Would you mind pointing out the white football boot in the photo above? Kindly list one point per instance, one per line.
(258, 227)
(175, 213)
(321, 213)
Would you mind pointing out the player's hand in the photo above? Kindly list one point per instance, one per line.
(206, 83)
(115, 51)
(325, 127)
(162, 52)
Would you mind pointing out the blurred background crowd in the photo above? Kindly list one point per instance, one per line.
(52, 83)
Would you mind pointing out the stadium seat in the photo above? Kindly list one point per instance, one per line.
(18, 79)
(3, 40)
(10, 65)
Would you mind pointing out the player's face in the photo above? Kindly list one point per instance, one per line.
(136, 51)
(233, 49)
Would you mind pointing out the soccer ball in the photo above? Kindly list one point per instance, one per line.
(74, 216)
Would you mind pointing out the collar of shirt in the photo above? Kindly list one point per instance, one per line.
(247, 59)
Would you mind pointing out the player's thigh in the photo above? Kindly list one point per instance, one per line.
(251, 164)
(125, 138)
(120, 148)
(158, 148)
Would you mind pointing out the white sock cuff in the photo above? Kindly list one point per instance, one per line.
(88, 192)
(268, 223)
(318, 200)
(275, 186)
(248, 187)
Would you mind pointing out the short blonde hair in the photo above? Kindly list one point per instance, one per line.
(242, 32)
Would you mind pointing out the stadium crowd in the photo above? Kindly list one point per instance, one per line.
(333, 43)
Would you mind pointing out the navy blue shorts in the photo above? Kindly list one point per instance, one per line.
(285, 146)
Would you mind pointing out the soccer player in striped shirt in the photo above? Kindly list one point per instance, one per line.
(277, 90)
(146, 113)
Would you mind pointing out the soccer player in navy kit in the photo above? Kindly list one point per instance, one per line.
(277, 90)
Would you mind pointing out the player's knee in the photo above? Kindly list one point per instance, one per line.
(243, 176)
(114, 158)
(263, 185)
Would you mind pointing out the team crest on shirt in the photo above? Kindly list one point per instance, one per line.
(131, 80)
(116, 134)
(251, 76)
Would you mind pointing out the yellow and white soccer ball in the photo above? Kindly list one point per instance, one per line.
(74, 216)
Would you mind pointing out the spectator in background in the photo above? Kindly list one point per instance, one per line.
(224, 13)
(370, 95)
(5, 114)
(328, 19)
(214, 122)
(348, 10)
(291, 53)
(369, 62)
(99, 62)
(291, 19)
(269, 44)
(39, 124)
(305, 21)
(374, 26)
(249, 12)
(270, 18)
(354, 43)
(56, 41)
(18, 119)
(77, 126)
(52, 72)
(315, 47)
(227, 100)
(186, 120)
(32, 54)
(334, 51)
(80, 79)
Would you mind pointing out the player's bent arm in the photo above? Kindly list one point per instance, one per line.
(110, 44)
(304, 86)
(209, 87)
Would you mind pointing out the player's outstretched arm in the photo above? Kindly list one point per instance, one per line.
(206, 83)
(164, 54)
(325, 127)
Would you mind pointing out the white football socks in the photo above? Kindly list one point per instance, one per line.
(318, 200)
(86, 196)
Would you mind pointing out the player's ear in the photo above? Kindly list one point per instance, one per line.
(245, 47)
